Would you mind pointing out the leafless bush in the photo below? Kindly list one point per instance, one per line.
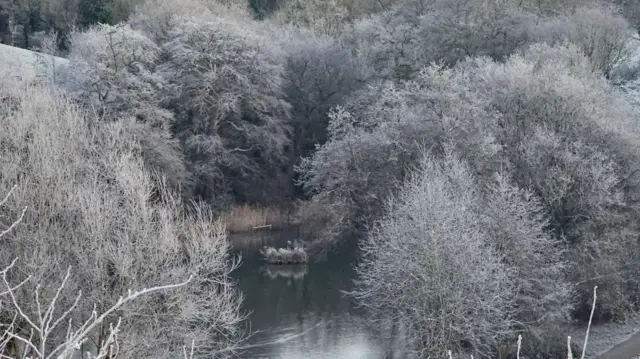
(42, 327)
(93, 204)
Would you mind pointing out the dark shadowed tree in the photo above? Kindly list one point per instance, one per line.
(225, 86)
(320, 73)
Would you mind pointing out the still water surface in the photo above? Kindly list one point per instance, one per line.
(300, 312)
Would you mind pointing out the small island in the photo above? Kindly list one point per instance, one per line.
(294, 253)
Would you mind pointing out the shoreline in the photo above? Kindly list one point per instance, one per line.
(611, 340)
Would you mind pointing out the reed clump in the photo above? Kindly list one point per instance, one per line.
(292, 254)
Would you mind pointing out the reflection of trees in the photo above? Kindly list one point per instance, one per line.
(295, 272)
(389, 332)
(274, 301)
(341, 336)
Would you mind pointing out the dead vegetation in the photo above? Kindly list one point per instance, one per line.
(244, 218)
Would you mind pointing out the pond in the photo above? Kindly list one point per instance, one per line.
(300, 311)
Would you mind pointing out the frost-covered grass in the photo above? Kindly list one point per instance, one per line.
(29, 64)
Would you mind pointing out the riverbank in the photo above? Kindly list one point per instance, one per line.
(246, 218)
(611, 340)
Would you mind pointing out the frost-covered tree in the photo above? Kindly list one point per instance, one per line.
(380, 132)
(400, 41)
(546, 116)
(389, 43)
(599, 31)
(157, 18)
(225, 87)
(571, 137)
(430, 264)
(353, 172)
(519, 230)
(454, 30)
(325, 17)
(112, 74)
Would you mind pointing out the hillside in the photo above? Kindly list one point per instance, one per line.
(28, 63)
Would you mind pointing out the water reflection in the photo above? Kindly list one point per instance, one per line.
(300, 311)
(294, 272)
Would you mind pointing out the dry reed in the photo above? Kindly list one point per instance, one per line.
(243, 218)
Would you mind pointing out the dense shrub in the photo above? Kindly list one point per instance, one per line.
(92, 205)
